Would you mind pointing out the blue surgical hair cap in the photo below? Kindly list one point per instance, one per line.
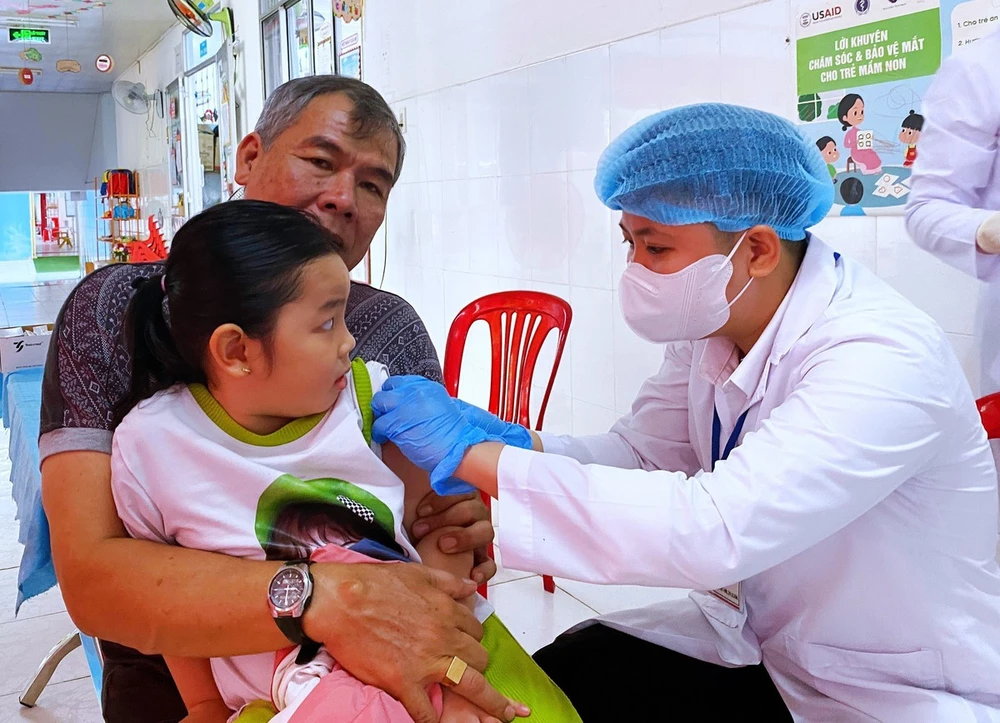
(731, 166)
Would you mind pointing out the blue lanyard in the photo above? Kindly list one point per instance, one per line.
(717, 436)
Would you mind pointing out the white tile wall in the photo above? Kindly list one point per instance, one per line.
(692, 59)
(591, 235)
(758, 66)
(639, 80)
(498, 194)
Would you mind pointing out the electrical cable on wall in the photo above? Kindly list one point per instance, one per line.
(150, 133)
(385, 251)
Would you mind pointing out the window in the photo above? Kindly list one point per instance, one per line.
(300, 58)
(271, 30)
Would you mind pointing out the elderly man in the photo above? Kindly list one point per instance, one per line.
(332, 146)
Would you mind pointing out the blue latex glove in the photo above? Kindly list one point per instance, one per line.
(513, 435)
(428, 427)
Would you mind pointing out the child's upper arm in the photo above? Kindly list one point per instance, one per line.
(416, 483)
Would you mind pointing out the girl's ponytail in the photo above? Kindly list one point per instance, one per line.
(156, 362)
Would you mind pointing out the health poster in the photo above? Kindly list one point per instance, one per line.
(862, 70)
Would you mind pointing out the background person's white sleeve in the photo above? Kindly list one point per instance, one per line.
(956, 156)
(654, 435)
(860, 423)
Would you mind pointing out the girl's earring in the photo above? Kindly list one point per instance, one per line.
(245, 370)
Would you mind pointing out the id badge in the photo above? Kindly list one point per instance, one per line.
(730, 595)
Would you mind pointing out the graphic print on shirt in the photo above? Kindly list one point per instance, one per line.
(296, 517)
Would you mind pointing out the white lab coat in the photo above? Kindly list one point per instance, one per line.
(956, 179)
(859, 510)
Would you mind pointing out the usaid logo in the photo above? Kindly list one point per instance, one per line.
(807, 19)
(862, 6)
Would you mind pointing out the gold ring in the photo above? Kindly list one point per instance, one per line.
(455, 672)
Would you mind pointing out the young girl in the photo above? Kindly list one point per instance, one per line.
(246, 431)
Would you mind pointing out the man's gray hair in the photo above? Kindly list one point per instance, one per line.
(371, 115)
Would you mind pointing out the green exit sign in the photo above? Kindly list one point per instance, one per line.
(28, 35)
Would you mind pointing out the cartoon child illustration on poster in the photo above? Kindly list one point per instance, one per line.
(913, 124)
(851, 113)
(297, 517)
(828, 149)
(852, 190)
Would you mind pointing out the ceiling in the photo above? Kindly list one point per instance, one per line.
(124, 29)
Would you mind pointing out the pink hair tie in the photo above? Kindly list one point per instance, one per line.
(163, 283)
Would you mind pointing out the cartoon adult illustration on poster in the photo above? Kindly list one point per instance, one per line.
(862, 69)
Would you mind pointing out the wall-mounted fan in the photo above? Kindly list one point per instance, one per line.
(134, 98)
(194, 14)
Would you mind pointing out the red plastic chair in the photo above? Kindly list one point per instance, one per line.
(989, 411)
(520, 322)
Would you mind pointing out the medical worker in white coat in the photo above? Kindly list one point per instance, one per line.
(954, 205)
(810, 451)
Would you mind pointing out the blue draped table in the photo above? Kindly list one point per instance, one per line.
(22, 403)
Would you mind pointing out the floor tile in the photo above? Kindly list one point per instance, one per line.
(19, 274)
(27, 314)
(54, 292)
(25, 643)
(18, 295)
(534, 616)
(16, 273)
(73, 701)
(45, 604)
(505, 574)
(611, 598)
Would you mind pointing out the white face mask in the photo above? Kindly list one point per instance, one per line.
(686, 305)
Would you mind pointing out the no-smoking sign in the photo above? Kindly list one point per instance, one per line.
(104, 63)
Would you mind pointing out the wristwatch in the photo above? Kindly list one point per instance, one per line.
(288, 596)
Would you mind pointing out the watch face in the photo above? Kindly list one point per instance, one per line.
(287, 588)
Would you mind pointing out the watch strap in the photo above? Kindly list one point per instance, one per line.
(291, 626)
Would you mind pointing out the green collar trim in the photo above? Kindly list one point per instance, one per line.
(296, 429)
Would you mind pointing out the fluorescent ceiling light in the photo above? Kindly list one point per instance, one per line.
(24, 21)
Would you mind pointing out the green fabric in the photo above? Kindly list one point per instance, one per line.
(56, 264)
(514, 674)
(296, 429)
(363, 388)
(260, 711)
